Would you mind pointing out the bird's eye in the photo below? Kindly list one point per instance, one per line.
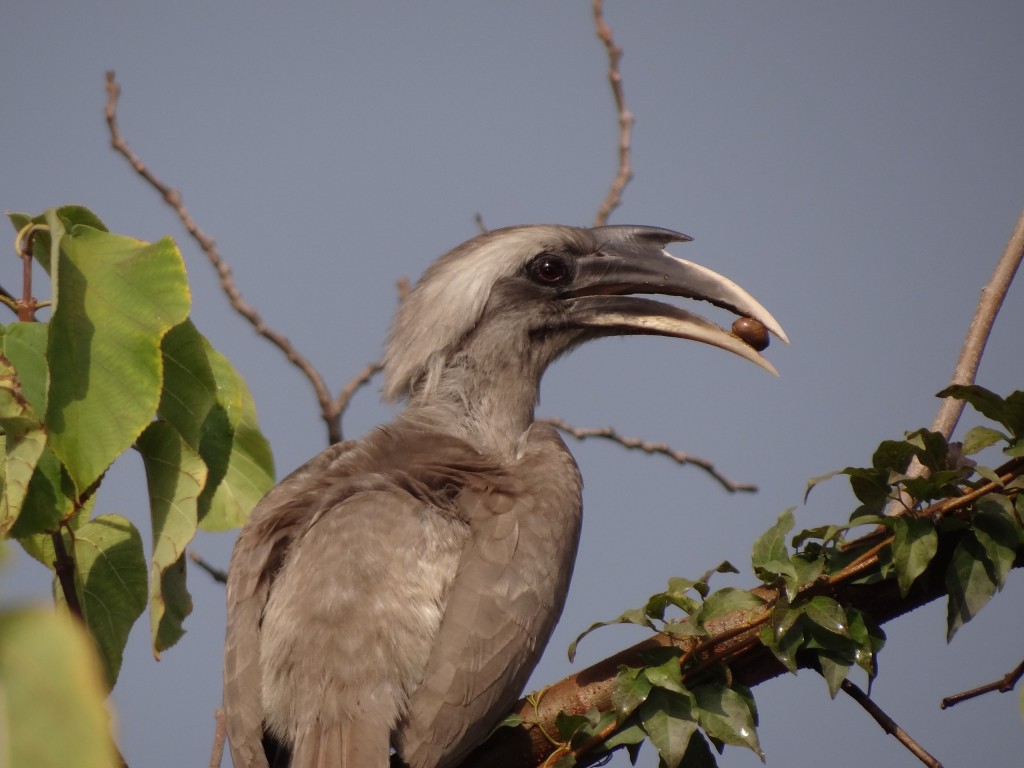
(550, 269)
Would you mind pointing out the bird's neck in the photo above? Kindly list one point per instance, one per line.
(489, 402)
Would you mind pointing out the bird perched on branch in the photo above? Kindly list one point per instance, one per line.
(396, 591)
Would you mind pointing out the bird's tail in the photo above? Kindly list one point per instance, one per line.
(361, 744)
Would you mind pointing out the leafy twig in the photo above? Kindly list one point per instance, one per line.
(1005, 684)
(625, 171)
(888, 724)
(661, 449)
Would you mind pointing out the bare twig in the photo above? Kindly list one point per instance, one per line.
(357, 382)
(660, 449)
(991, 300)
(219, 735)
(1005, 684)
(479, 220)
(889, 725)
(966, 370)
(216, 573)
(172, 197)
(625, 171)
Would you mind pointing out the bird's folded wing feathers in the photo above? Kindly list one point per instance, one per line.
(505, 600)
(276, 520)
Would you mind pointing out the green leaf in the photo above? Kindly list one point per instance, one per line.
(568, 725)
(870, 486)
(669, 721)
(54, 713)
(116, 298)
(513, 720)
(980, 438)
(632, 616)
(728, 600)
(24, 344)
(816, 481)
(914, 545)
(175, 476)
(984, 401)
(23, 441)
(667, 674)
(827, 614)
(998, 534)
(933, 450)
(769, 557)
(110, 573)
(724, 714)
(869, 638)
(49, 500)
(893, 455)
(250, 467)
(969, 583)
(834, 670)
(629, 691)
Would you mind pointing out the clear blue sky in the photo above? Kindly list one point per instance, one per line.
(856, 166)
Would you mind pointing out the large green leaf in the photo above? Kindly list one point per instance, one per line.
(116, 298)
(726, 715)
(110, 574)
(914, 545)
(770, 556)
(175, 476)
(670, 721)
(209, 404)
(24, 347)
(51, 686)
(969, 582)
(23, 441)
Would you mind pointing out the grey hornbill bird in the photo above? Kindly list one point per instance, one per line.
(396, 591)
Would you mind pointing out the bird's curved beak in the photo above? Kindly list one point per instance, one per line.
(632, 260)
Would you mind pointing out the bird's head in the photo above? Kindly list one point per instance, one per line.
(517, 298)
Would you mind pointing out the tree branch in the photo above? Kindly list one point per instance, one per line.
(889, 725)
(978, 332)
(217, 574)
(734, 641)
(992, 296)
(328, 410)
(660, 449)
(1005, 684)
(625, 171)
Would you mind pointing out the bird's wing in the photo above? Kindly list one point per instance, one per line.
(275, 522)
(503, 605)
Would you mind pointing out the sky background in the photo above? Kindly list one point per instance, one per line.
(856, 166)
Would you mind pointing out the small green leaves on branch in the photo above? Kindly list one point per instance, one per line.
(960, 536)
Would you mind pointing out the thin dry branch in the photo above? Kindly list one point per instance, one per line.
(329, 411)
(1005, 684)
(966, 371)
(889, 725)
(992, 296)
(215, 573)
(660, 449)
(220, 733)
(625, 171)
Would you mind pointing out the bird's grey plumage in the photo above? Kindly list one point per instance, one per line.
(397, 591)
